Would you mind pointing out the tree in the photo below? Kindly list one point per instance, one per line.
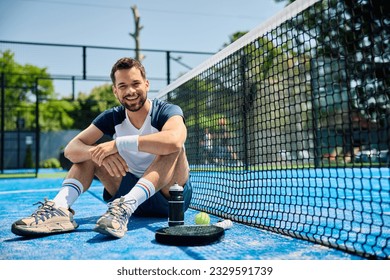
(56, 115)
(233, 89)
(21, 80)
(356, 33)
(136, 33)
(21, 84)
(89, 106)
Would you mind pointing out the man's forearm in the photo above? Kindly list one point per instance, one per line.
(77, 151)
(162, 143)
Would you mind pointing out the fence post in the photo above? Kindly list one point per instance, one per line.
(168, 56)
(37, 127)
(84, 62)
(2, 122)
(73, 89)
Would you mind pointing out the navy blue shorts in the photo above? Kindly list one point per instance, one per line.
(155, 206)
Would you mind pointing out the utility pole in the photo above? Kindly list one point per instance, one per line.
(136, 33)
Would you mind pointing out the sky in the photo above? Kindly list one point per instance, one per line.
(175, 25)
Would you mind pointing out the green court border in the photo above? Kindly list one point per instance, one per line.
(41, 175)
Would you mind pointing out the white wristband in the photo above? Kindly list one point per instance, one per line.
(127, 143)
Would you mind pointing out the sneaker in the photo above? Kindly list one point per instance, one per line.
(47, 219)
(114, 221)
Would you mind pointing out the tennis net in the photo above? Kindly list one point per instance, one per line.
(288, 126)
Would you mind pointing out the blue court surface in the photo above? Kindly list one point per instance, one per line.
(241, 242)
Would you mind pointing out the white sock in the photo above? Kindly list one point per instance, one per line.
(142, 191)
(70, 191)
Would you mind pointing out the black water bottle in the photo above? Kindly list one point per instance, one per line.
(176, 206)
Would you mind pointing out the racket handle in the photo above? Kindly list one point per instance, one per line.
(225, 224)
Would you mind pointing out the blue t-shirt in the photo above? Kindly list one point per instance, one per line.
(115, 123)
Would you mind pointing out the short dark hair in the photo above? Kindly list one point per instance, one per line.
(127, 63)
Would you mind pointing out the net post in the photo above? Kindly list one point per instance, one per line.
(246, 103)
(315, 116)
(197, 126)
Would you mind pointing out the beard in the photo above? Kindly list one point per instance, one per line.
(135, 106)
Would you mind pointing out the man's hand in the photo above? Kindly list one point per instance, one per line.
(103, 150)
(115, 165)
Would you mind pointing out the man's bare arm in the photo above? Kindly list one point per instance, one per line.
(169, 140)
(78, 148)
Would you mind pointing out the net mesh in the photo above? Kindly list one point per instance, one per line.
(288, 127)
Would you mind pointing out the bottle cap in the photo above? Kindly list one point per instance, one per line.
(176, 187)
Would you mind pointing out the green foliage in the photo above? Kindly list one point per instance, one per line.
(355, 33)
(21, 84)
(235, 37)
(54, 115)
(89, 106)
(205, 121)
(22, 80)
(50, 163)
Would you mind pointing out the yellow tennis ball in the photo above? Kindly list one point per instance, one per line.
(202, 218)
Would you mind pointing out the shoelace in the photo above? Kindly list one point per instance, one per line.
(119, 209)
(45, 211)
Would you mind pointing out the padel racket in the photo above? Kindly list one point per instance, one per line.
(192, 235)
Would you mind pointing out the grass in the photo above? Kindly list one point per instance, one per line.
(44, 174)
(18, 175)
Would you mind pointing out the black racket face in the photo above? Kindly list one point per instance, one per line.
(189, 235)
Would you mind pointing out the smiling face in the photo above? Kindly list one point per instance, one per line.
(131, 88)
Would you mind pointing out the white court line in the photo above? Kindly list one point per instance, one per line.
(40, 190)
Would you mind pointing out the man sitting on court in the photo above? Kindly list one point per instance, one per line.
(137, 168)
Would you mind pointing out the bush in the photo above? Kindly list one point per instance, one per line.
(50, 163)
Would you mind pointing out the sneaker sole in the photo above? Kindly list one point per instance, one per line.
(103, 229)
(29, 231)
